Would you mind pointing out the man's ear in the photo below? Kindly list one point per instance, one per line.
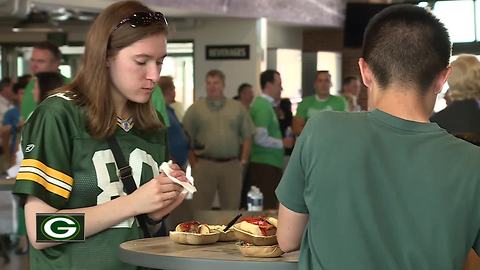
(366, 73)
(441, 79)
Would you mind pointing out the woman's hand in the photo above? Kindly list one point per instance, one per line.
(158, 193)
(180, 175)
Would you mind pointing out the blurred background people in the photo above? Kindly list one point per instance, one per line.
(177, 140)
(245, 95)
(46, 57)
(350, 91)
(462, 116)
(321, 101)
(218, 129)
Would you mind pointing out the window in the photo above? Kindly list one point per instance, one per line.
(179, 65)
(459, 19)
(331, 61)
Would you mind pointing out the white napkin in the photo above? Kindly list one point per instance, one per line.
(187, 186)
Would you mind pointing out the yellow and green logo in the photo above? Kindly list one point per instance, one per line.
(60, 227)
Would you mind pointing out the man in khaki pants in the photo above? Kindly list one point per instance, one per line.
(219, 130)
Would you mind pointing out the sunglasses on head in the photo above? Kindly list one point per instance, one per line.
(143, 19)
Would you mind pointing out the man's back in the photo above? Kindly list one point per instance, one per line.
(394, 194)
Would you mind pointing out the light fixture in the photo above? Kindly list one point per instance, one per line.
(37, 21)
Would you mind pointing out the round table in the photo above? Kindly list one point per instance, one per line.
(163, 253)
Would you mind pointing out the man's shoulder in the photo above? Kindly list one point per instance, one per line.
(336, 98)
(340, 118)
(308, 99)
(197, 108)
(257, 101)
(199, 104)
(260, 104)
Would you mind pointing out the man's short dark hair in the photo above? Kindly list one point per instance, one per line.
(268, 76)
(406, 44)
(17, 86)
(348, 80)
(323, 72)
(24, 79)
(242, 88)
(166, 83)
(216, 73)
(5, 82)
(52, 48)
(47, 82)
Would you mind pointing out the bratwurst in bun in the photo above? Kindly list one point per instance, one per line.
(259, 226)
(259, 231)
(194, 233)
(258, 237)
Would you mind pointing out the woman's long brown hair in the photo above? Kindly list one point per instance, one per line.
(92, 86)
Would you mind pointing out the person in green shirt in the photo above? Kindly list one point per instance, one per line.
(69, 167)
(46, 57)
(158, 102)
(385, 189)
(321, 101)
(266, 158)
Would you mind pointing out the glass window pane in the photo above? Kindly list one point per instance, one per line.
(332, 62)
(289, 64)
(458, 18)
(477, 23)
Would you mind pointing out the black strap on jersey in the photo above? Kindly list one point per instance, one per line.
(125, 174)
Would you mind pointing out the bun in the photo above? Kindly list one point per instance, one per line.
(227, 236)
(249, 227)
(249, 250)
(272, 221)
(203, 229)
(194, 233)
(193, 238)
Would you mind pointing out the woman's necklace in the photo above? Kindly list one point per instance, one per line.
(125, 124)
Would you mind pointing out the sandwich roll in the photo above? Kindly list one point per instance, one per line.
(249, 250)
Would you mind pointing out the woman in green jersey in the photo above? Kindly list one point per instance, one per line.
(68, 166)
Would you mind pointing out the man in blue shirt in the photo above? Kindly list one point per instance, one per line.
(177, 140)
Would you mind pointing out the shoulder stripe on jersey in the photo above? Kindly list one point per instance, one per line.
(48, 186)
(47, 178)
(47, 170)
(60, 95)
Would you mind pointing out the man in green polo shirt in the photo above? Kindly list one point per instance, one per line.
(321, 101)
(46, 57)
(158, 102)
(385, 189)
(266, 159)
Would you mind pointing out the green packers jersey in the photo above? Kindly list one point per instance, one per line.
(66, 168)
